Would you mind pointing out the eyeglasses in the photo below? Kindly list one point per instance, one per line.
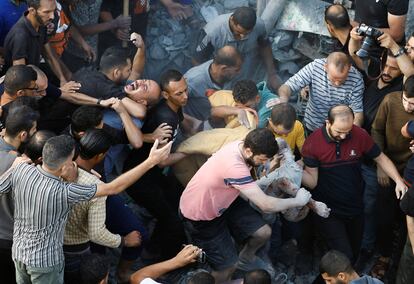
(36, 88)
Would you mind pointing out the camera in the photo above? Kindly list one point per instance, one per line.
(370, 41)
(201, 258)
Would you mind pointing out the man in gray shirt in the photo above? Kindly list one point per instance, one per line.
(214, 74)
(246, 33)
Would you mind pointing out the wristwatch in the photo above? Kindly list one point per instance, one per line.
(99, 102)
(400, 52)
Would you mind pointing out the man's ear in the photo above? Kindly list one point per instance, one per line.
(23, 135)
(20, 93)
(342, 276)
(32, 10)
(164, 94)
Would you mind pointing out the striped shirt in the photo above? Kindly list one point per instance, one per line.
(86, 220)
(323, 95)
(42, 204)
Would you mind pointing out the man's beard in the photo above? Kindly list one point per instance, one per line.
(40, 21)
(251, 162)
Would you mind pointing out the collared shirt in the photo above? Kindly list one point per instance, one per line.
(340, 183)
(86, 220)
(323, 95)
(42, 205)
(199, 80)
(23, 41)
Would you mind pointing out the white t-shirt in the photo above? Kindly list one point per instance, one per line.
(149, 281)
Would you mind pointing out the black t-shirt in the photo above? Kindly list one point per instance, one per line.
(375, 12)
(161, 113)
(373, 98)
(23, 41)
(95, 84)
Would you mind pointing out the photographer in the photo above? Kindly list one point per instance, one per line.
(189, 254)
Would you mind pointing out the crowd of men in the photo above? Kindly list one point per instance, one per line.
(220, 163)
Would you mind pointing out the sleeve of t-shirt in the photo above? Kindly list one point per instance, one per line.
(19, 47)
(310, 157)
(369, 148)
(205, 48)
(407, 203)
(238, 176)
(53, 91)
(301, 79)
(78, 193)
(398, 7)
(356, 102)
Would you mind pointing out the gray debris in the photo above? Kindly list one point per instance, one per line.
(230, 5)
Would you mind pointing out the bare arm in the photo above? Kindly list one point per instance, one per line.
(21, 61)
(135, 109)
(388, 167)
(78, 38)
(172, 159)
(310, 177)
(127, 179)
(410, 229)
(272, 78)
(396, 26)
(269, 204)
(133, 133)
(186, 256)
(120, 22)
(54, 64)
(354, 45)
(139, 58)
(359, 119)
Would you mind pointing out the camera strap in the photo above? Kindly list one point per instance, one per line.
(375, 61)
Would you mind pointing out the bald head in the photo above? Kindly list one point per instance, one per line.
(337, 16)
(339, 60)
(341, 112)
(228, 55)
(41, 81)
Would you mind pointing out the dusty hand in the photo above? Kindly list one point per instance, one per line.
(122, 34)
(163, 132)
(355, 36)
(302, 197)
(70, 87)
(400, 189)
(69, 172)
(382, 177)
(90, 53)
(108, 102)
(158, 155)
(133, 239)
(272, 102)
(137, 40)
(304, 93)
(242, 118)
(187, 255)
(122, 22)
(321, 209)
(178, 11)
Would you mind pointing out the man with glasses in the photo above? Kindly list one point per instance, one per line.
(395, 110)
(332, 155)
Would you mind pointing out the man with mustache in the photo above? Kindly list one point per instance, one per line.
(27, 40)
(389, 81)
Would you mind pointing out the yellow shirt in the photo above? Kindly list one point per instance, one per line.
(296, 137)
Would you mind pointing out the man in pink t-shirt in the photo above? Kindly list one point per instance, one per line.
(214, 214)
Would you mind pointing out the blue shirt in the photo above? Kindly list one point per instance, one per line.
(9, 15)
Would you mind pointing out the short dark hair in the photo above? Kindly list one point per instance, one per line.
(33, 3)
(201, 277)
(284, 114)
(113, 57)
(86, 117)
(57, 150)
(337, 16)
(168, 76)
(341, 111)
(245, 17)
(94, 142)
(20, 119)
(33, 149)
(334, 262)
(245, 91)
(261, 141)
(409, 87)
(257, 276)
(31, 102)
(18, 77)
(94, 268)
